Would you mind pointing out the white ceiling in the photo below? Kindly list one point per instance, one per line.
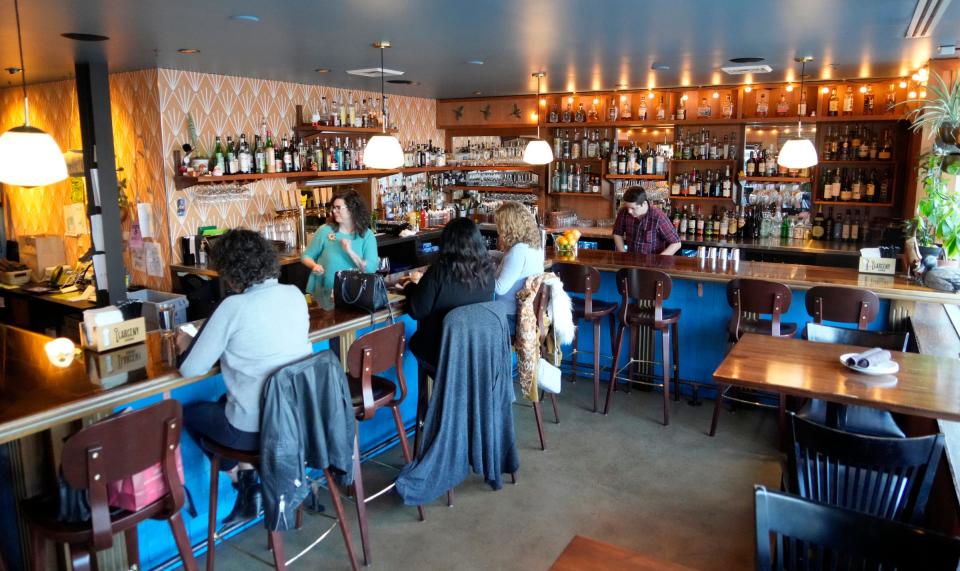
(582, 45)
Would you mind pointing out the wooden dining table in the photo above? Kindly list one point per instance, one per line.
(926, 385)
(586, 554)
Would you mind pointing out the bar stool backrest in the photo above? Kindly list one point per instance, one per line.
(373, 353)
(579, 278)
(119, 447)
(762, 297)
(643, 285)
(843, 305)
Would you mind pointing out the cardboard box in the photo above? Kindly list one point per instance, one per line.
(885, 266)
(40, 252)
(115, 335)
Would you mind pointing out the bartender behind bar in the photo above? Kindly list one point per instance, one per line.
(642, 228)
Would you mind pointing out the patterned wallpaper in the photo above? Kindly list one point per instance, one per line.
(227, 105)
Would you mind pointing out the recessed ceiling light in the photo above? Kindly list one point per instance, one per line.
(660, 67)
(475, 62)
(245, 18)
(188, 51)
(81, 37)
(746, 59)
(322, 70)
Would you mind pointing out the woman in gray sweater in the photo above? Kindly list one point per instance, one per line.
(254, 332)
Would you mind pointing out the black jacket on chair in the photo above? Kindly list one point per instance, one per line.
(306, 420)
(469, 422)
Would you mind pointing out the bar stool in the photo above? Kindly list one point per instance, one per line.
(643, 292)
(107, 451)
(842, 305)
(540, 310)
(750, 298)
(369, 356)
(583, 279)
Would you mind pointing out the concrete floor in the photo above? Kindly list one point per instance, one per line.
(670, 492)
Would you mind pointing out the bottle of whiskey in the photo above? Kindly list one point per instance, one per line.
(625, 112)
(703, 110)
(661, 110)
(246, 157)
(554, 116)
(612, 111)
(763, 105)
(891, 98)
(581, 115)
(568, 112)
(802, 110)
(782, 106)
(642, 110)
(727, 108)
(848, 101)
(833, 105)
(868, 99)
(681, 109)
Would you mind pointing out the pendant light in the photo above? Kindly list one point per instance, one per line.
(538, 151)
(799, 153)
(29, 156)
(383, 151)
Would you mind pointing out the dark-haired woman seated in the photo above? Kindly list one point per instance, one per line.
(261, 328)
(463, 274)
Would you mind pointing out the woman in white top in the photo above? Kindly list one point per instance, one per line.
(523, 253)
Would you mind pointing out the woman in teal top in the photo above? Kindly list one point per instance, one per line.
(347, 243)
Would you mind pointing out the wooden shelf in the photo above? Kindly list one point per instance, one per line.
(821, 202)
(721, 198)
(635, 176)
(520, 167)
(307, 130)
(594, 160)
(181, 182)
(512, 189)
(874, 163)
(708, 161)
(858, 118)
(775, 179)
(580, 195)
(776, 119)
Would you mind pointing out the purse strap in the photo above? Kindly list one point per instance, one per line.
(360, 290)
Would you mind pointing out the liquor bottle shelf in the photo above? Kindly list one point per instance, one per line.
(580, 195)
(776, 119)
(635, 177)
(822, 202)
(509, 189)
(705, 161)
(182, 181)
(775, 179)
(867, 163)
(581, 160)
(720, 198)
(858, 118)
(307, 130)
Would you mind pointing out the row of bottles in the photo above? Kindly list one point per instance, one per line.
(855, 185)
(701, 145)
(856, 142)
(634, 160)
(420, 155)
(722, 224)
(293, 154)
(340, 113)
(574, 178)
(763, 162)
(622, 110)
(589, 145)
(710, 183)
(840, 228)
(756, 222)
(845, 105)
(782, 108)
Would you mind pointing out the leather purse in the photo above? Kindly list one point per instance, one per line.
(358, 290)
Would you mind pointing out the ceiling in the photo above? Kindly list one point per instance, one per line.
(581, 45)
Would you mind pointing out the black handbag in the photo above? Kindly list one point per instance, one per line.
(358, 290)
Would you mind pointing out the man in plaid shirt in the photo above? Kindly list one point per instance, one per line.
(643, 229)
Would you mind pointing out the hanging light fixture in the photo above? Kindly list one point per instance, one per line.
(383, 151)
(799, 153)
(29, 156)
(538, 151)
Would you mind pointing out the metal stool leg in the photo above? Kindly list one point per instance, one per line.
(665, 366)
(596, 364)
(675, 339)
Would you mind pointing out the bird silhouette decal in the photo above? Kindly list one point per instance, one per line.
(516, 111)
(486, 112)
(458, 113)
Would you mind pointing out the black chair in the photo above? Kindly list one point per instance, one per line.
(793, 533)
(884, 477)
(852, 418)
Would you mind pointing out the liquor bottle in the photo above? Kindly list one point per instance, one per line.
(563, 177)
(884, 186)
(751, 167)
(868, 99)
(259, 157)
(724, 225)
(817, 230)
(837, 185)
(782, 106)
(891, 99)
(612, 111)
(828, 225)
(855, 227)
(856, 188)
(555, 180)
(581, 115)
(846, 193)
(567, 112)
(334, 120)
(625, 111)
(675, 220)
(727, 108)
(324, 111)
(575, 147)
(577, 185)
(287, 156)
(593, 114)
(727, 183)
(219, 157)
(837, 234)
(554, 116)
(848, 101)
(344, 112)
(351, 112)
(885, 153)
(845, 228)
(642, 110)
(771, 169)
(732, 225)
(762, 104)
(660, 164)
(802, 110)
(246, 157)
(870, 188)
(681, 110)
(833, 105)
(651, 162)
(682, 228)
(661, 110)
(703, 110)
(741, 222)
(675, 186)
(701, 225)
(233, 160)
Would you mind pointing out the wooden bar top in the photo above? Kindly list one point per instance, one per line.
(926, 385)
(796, 276)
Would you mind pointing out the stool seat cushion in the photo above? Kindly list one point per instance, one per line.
(41, 513)
(860, 419)
(762, 327)
(383, 392)
(599, 307)
(643, 316)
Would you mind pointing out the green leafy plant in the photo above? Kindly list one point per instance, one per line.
(938, 211)
(939, 111)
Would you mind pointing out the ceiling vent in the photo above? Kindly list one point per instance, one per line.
(925, 18)
(745, 69)
(374, 72)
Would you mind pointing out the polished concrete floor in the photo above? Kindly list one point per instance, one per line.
(670, 492)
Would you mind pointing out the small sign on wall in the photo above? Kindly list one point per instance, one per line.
(885, 266)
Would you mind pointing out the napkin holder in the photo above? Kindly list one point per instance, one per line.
(115, 335)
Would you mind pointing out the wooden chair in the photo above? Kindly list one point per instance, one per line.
(794, 533)
(369, 356)
(643, 292)
(585, 280)
(884, 477)
(842, 305)
(540, 310)
(107, 451)
(750, 299)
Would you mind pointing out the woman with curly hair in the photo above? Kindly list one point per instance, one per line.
(523, 252)
(254, 332)
(347, 243)
(463, 274)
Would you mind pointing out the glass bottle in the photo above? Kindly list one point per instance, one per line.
(833, 105)
(848, 101)
(868, 101)
(763, 105)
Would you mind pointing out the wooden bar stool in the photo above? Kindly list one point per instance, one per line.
(371, 355)
(749, 299)
(583, 279)
(540, 310)
(643, 292)
(842, 305)
(107, 451)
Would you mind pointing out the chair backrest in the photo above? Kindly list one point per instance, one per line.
(885, 477)
(579, 278)
(842, 304)
(889, 340)
(643, 285)
(540, 302)
(746, 295)
(119, 447)
(794, 533)
(373, 353)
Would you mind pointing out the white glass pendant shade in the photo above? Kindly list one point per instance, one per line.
(30, 157)
(538, 152)
(383, 152)
(797, 154)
